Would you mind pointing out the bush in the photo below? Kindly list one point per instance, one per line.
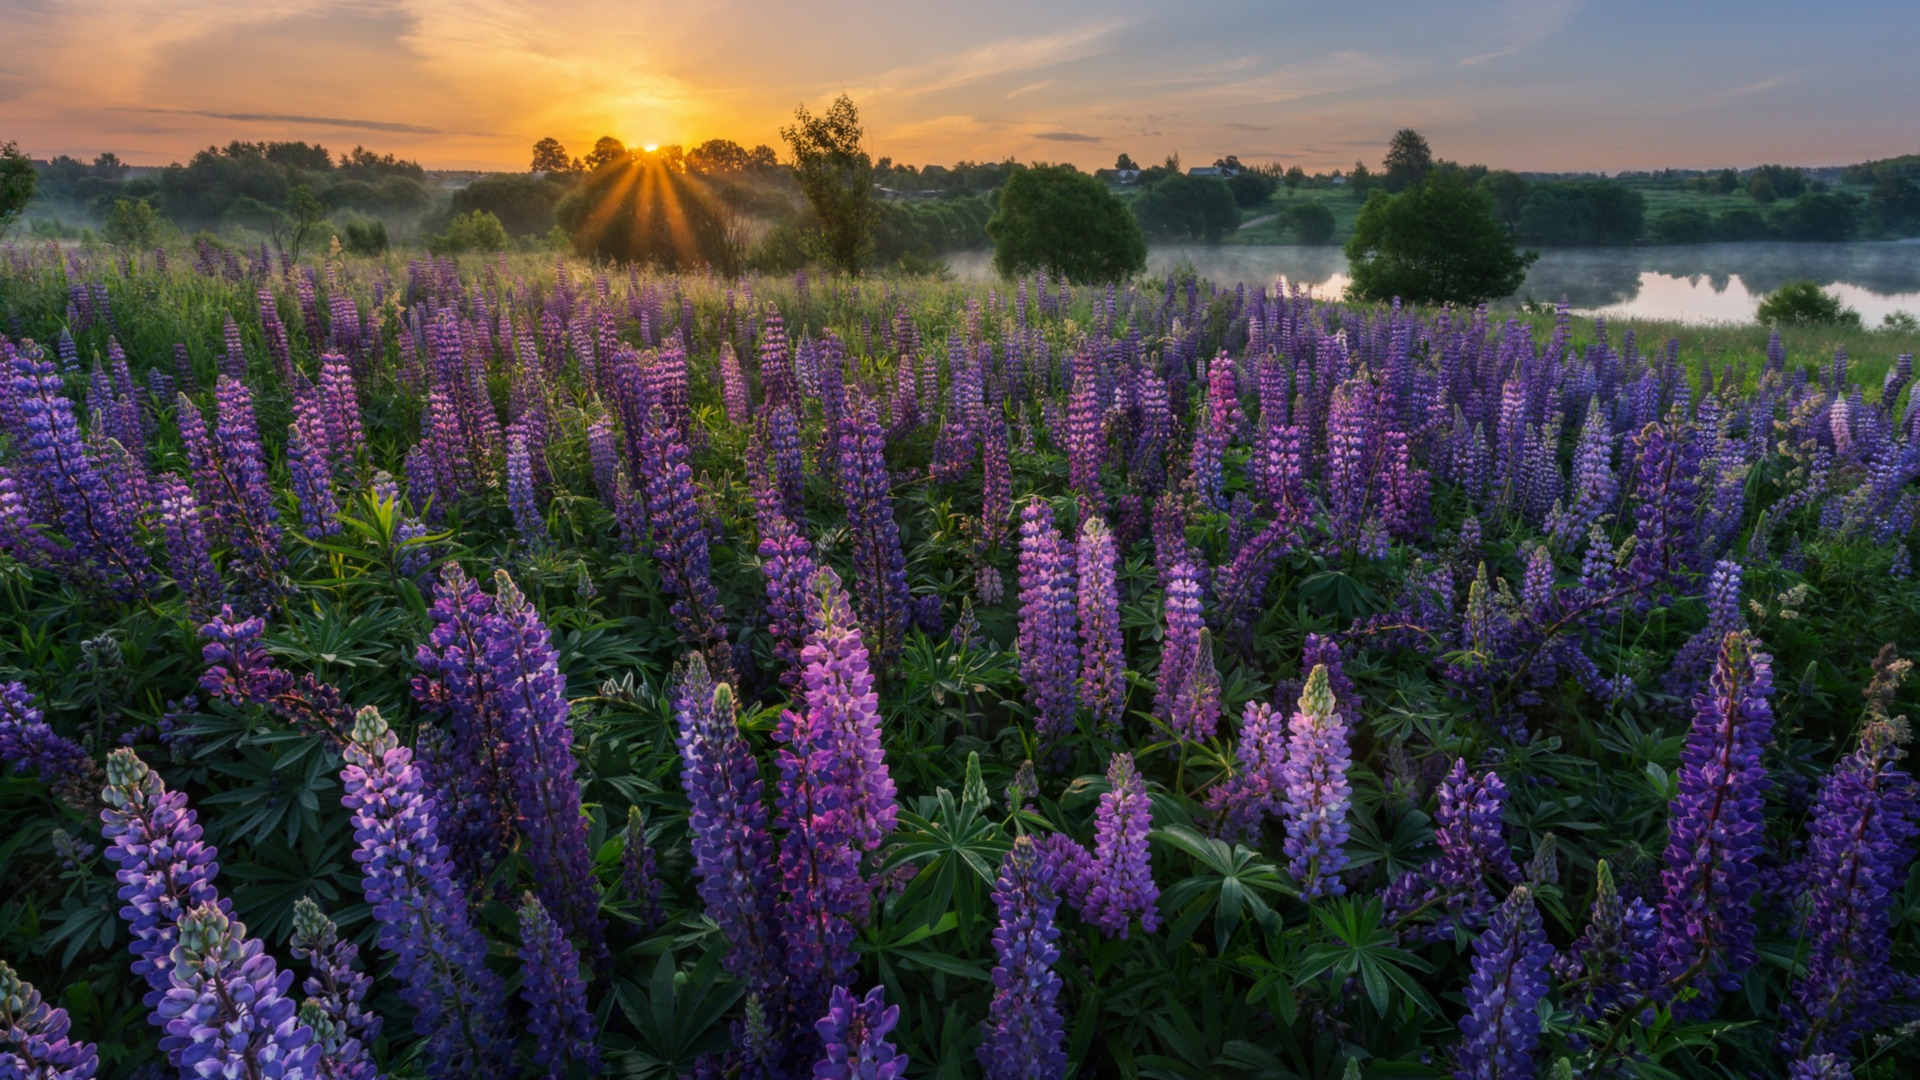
(1821, 216)
(1684, 225)
(1058, 219)
(1188, 207)
(1804, 302)
(1311, 222)
(1742, 223)
(1251, 187)
(17, 183)
(365, 238)
(523, 204)
(1433, 244)
(133, 225)
(637, 209)
(1582, 213)
(475, 230)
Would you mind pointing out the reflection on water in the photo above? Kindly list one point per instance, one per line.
(1703, 283)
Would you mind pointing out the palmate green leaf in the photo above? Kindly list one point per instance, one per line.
(279, 789)
(676, 1016)
(1362, 947)
(1234, 883)
(958, 850)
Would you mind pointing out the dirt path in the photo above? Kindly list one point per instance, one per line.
(1245, 225)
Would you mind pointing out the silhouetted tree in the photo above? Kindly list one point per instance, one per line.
(835, 174)
(605, 149)
(1409, 160)
(549, 156)
(17, 183)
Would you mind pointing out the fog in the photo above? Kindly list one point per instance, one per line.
(1696, 283)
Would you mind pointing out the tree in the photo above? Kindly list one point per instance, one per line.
(1894, 204)
(523, 204)
(718, 156)
(1683, 225)
(1311, 222)
(605, 149)
(1057, 219)
(835, 175)
(1817, 215)
(1251, 187)
(550, 157)
(1294, 178)
(1435, 243)
(366, 238)
(475, 230)
(1760, 188)
(1125, 161)
(1803, 302)
(17, 183)
(131, 225)
(1509, 192)
(1361, 181)
(1409, 160)
(640, 210)
(1196, 208)
(301, 221)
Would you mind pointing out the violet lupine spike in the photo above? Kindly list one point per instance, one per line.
(789, 464)
(1317, 791)
(880, 566)
(1024, 1028)
(786, 560)
(853, 1038)
(1618, 953)
(1049, 658)
(733, 387)
(1243, 802)
(27, 741)
(1472, 841)
(996, 485)
(238, 668)
(164, 868)
(1086, 445)
(35, 1039)
(1125, 887)
(639, 873)
(1715, 831)
(312, 481)
(1695, 658)
(838, 687)
(337, 992)
(1820, 1067)
(1500, 1030)
(680, 542)
(733, 854)
(1196, 708)
(189, 551)
(522, 499)
(1665, 503)
(1102, 660)
(226, 1011)
(465, 761)
(1860, 846)
(559, 1023)
(439, 957)
(1180, 660)
(524, 671)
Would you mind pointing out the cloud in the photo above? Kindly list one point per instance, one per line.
(996, 58)
(1526, 23)
(285, 118)
(1067, 136)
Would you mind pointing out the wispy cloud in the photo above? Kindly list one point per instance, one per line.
(1731, 94)
(1526, 23)
(316, 121)
(1067, 136)
(993, 59)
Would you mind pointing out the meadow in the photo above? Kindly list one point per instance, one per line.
(501, 667)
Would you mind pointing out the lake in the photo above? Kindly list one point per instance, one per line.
(1695, 283)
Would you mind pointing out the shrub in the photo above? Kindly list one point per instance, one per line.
(1816, 216)
(1683, 225)
(1804, 302)
(475, 230)
(1193, 208)
(1434, 244)
(1311, 222)
(1058, 219)
(132, 224)
(365, 238)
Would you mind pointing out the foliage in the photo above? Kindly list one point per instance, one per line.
(365, 237)
(1818, 215)
(132, 225)
(1252, 187)
(835, 173)
(18, 180)
(551, 157)
(475, 230)
(1436, 243)
(1062, 221)
(1188, 207)
(637, 209)
(1409, 161)
(1310, 221)
(1683, 225)
(1581, 213)
(522, 204)
(1805, 302)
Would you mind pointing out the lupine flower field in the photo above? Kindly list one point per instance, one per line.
(503, 669)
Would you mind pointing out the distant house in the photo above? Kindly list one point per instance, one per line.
(1212, 170)
(1124, 176)
(1338, 181)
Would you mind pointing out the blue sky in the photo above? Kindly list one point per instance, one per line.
(1525, 84)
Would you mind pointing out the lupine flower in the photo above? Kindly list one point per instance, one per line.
(230, 477)
(1124, 886)
(238, 669)
(1024, 1028)
(733, 383)
(1665, 503)
(1102, 662)
(1181, 670)
(996, 485)
(1048, 656)
(1820, 1067)
(1317, 792)
(733, 854)
(312, 481)
(786, 560)
(1469, 832)
(1243, 802)
(1618, 953)
(789, 467)
(680, 542)
(227, 1012)
(1500, 1030)
(853, 1038)
(28, 742)
(1715, 829)
(337, 993)
(1860, 848)
(1086, 444)
(639, 876)
(34, 1039)
(522, 500)
(164, 869)
(439, 956)
(1695, 658)
(558, 1021)
(880, 566)
(189, 553)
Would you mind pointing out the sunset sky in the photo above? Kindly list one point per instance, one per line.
(1525, 84)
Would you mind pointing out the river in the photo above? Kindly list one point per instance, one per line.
(1694, 283)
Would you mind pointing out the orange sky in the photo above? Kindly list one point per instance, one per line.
(1539, 84)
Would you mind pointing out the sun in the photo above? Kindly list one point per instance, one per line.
(650, 147)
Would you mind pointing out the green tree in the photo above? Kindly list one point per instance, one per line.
(366, 238)
(1361, 180)
(301, 222)
(1683, 225)
(1803, 302)
(718, 156)
(1189, 207)
(1311, 222)
(1741, 223)
(1057, 219)
(644, 211)
(17, 183)
(1817, 215)
(1761, 190)
(1294, 178)
(1409, 160)
(1894, 204)
(1125, 161)
(1509, 192)
(550, 157)
(1251, 187)
(524, 204)
(1435, 243)
(835, 175)
(475, 230)
(132, 225)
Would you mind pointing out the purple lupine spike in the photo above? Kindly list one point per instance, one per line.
(777, 381)
(733, 854)
(27, 741)
(1820, 1067)
(1086, 444)
(996, 485)
(558, 1020)
(1181, 668)
(680, 542)
(639, 874)
(1500, 1030)
(1048, 656)
(164, 868)
(1472, 841)
(189, 552)
(1715, 829)
(313, 472)
(786, 560)
(1594, 486)
(1024, 1028)
(1860, 846)
(465, 761)
(35, 1043)
(839, 688)
(1170, 547)
(789, 466)
(1617, 955)
(880, 566)
(1317, 792)
(1196, 707)
(1695, 658)
(733, 388)
(1665, 503)
(1102, 661)
(337, 992)
(853, 1038)
(439, 957)
(227, 1012)
(1243, 802)
(522, 499)
(1125, 886)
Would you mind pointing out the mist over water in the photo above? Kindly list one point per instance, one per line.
(1693, 283)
